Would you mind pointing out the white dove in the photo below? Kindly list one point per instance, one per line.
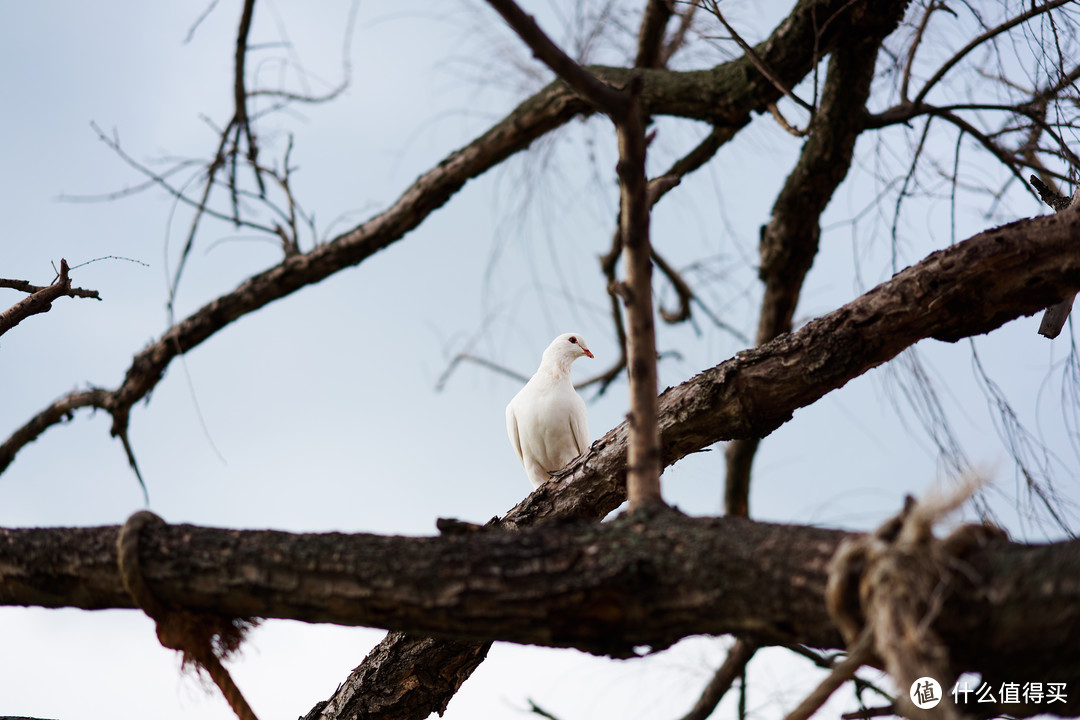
(546, 420)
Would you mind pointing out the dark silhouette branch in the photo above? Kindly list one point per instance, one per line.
(643, 469)
(789, 242)
(975, 42)
(40, 299)
(654, 20)
(606, 588)
(593, 89)
(733, 667)
(658, 187)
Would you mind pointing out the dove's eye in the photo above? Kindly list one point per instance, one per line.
(573, 340)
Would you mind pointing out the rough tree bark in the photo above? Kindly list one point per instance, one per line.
(611, 589)
(789, 241)
(968, 289)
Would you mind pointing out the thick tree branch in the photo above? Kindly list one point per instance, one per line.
(650, 47)
(574, 585)
(605, 588)
(789, 242)
(968, 289)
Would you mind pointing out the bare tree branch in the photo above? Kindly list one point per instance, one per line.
(968, 289)
(731, 669)
(726, 95)
(40, 299)
(789, 242)
(840, 674)
(1004, 27)
(643, 468)
(758, 63)
(604, 97)
(654, 20)
(521, 587)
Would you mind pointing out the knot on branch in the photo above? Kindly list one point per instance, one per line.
(204, 639)
(887, 588)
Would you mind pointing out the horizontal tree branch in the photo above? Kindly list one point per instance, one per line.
(615, 588)
(601, 589)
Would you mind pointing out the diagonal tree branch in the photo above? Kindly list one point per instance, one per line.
(606, 98)
(970, 288)
(730, 670)
(789, 242)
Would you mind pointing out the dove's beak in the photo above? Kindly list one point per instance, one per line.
(587, 351)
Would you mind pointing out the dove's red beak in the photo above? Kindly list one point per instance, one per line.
(587, 351)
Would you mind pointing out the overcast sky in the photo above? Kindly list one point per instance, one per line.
(319, 412)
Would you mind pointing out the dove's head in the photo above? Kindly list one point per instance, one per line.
(565, 349)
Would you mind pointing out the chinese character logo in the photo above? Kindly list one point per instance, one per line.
(925, 693)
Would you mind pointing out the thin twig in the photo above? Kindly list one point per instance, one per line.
(440, 384)
(754, 58)
(992, 32)
(920, 31)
